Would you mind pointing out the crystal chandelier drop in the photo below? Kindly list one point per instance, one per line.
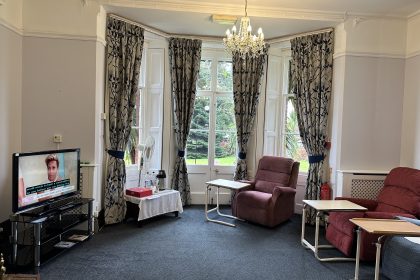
(244, 42)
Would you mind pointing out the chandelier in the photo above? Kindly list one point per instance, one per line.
(244, 42)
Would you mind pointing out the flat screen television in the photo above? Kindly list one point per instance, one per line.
(41, 178)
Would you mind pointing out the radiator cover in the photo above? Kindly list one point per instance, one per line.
(360, 183)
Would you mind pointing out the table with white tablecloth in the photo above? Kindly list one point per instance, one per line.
(166, 201)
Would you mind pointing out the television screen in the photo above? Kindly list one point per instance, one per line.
(43, 177)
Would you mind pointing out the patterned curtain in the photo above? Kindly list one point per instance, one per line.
(247, 73)
(123, 54)
(311, 82)
(184, 58)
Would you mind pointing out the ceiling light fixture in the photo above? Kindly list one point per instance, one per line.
(224, 19)
(244, 42)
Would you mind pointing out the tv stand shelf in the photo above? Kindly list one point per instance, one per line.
(39, 230)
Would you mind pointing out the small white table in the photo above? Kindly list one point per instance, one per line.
(322, 206)
(383, 227)
(227, 184)
(157, 204)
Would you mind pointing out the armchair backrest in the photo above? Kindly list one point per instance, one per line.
(401, 192)
(276, 171)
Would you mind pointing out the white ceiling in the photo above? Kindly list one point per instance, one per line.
(277, 17)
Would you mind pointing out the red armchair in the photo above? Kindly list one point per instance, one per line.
(271, 198)
(400, 196)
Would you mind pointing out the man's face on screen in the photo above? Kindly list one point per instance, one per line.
(52, 170)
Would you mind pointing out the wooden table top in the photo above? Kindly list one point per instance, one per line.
(334, 205)
(228, 184)
(387, 226)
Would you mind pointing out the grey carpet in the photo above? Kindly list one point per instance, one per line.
(188, 247)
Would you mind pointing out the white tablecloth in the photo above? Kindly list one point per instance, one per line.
(163, 202)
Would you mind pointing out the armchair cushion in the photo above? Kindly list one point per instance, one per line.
(341, 220)
(255, 199)
(265, 186)
(272, 172)
(389, 200)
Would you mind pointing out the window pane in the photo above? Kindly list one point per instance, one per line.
(131, 152)
(225, 148)
(200, 118)
(198, 139)
(225, 113)
(197, 147)
(224, 76)
(291, 118)
(136, 111)
(204, 76)
(294, 149)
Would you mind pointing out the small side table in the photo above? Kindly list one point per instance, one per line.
(160, 203)
(322, 206)
(383, 227)
(227, 184)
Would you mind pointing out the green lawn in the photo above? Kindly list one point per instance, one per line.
(231, 160)
(304, 166)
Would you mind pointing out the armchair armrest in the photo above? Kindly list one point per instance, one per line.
(386, 215)
(279, 191)
(251, 187)
(252, 183)
(411, 220)
(368, 203)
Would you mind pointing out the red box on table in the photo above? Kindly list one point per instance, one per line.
(138, 192)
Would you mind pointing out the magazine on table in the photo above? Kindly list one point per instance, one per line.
(78, 237)
(64, 244)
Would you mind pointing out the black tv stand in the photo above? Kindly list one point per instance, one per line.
(42, 230)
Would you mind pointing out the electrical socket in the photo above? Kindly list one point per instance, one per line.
(57, 138)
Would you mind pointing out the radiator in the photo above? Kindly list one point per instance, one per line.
(360, 183)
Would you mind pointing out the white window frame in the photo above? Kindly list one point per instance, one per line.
(151, 81)
(277, 95)
(215, 56)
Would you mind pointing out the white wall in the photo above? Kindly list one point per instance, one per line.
(52, 18)
(63, 80)
(335, 117)
(367, 111)
(10, 100)
(410, 139)
(372, 113)
(59, 93)
(11, 15)
(410, 148)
